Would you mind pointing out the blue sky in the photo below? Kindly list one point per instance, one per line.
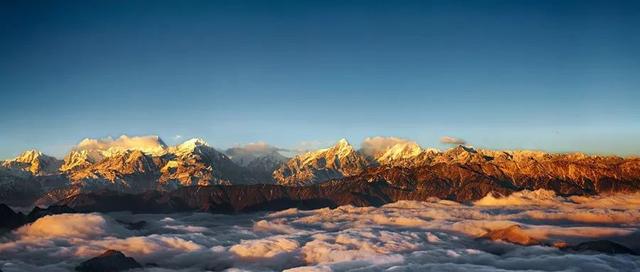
(551, 75)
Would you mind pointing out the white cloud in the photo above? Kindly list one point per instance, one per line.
(452, 140)
(150, 144)
(312, 145)
(70, 226)
(253, 149)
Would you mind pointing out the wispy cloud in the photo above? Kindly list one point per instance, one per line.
(259, 147)
(452, 140)
(124, 142)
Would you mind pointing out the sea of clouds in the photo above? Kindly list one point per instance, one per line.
(435, 235)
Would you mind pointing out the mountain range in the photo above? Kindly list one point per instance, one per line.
(137, 165)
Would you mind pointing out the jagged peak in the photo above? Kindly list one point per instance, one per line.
(29, 156)
(400, 150)
(31, 152)
(432, 150)
(462, 148)
(192, 144)
(341, 149)
(33, 161)
(343, 142)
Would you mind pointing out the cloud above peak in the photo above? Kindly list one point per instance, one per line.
(149, 143)
(259, 147)
(452, 140)
(373, 146)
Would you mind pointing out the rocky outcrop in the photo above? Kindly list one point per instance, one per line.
(513, 234)
(109, 261)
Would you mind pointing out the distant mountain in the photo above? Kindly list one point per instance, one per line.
(398, 152)
(126, 164)
(157, 167)
(468, 173)
(34, 162)
(259, 158)
(91, 151)
(194, 162)
(338, 161)
(140, 164)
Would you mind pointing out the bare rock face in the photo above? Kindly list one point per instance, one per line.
(338, 161)
(109, 261)
(513, 234)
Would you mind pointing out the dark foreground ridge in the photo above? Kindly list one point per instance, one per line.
(109, 261)
(10, 219)
(251, 198)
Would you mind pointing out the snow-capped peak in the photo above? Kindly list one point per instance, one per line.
(342, 142)
(28, 156)
(247, 154)
(35, 162)
(342, 148)
(403, 150)
(191, 144)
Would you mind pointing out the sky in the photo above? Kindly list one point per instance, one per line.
(551, 75)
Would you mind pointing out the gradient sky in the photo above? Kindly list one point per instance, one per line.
(551, 75)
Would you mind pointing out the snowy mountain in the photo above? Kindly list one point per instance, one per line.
(34, 162)
(139, 164)
(91, 151)
(194, 162)
(399, 152)
(259, 158)
(340, 160)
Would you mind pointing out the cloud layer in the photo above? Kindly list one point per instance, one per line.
(435, 235)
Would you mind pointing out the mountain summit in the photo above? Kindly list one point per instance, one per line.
(34, 162)
(340, 160)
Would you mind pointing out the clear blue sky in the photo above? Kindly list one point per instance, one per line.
(550, 75)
